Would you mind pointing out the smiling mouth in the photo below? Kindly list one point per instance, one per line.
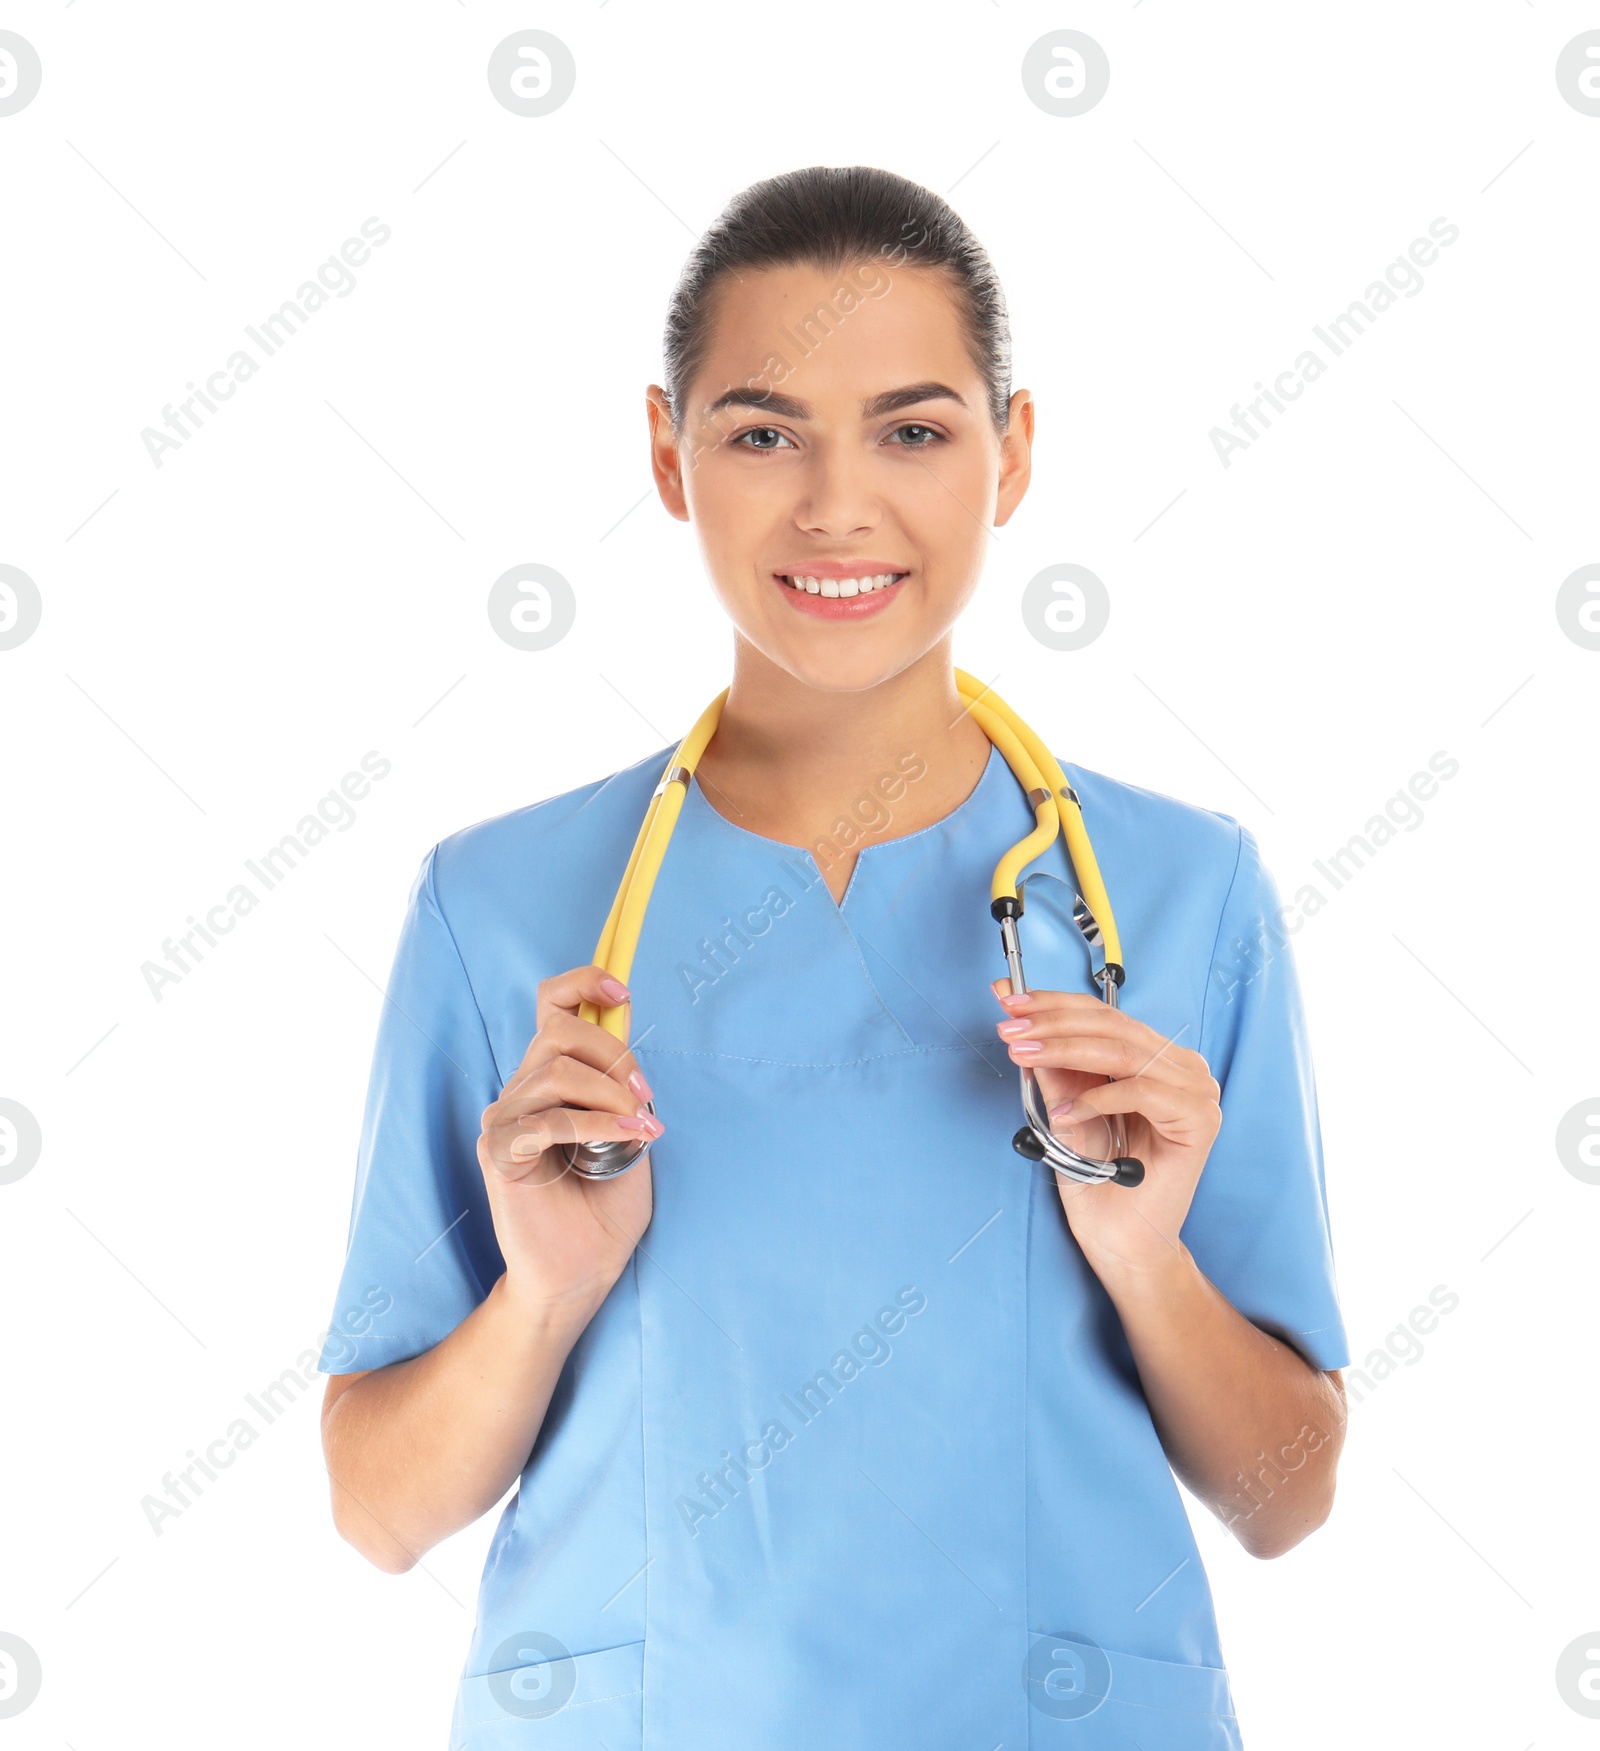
(862, 586)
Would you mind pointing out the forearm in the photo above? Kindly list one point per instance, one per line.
(421, 1448)
(1247, 1423)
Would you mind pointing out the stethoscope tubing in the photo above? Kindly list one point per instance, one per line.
(1056, 814)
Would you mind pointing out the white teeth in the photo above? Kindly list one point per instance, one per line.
(842, 586)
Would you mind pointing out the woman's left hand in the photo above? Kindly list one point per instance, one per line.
(1171, 1115)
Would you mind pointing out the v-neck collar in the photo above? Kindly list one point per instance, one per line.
(978, 801)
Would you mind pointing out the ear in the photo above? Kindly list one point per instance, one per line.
(1016, 456)
(666, 455)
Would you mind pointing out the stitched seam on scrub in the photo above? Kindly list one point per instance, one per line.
(432, 893)
(644, 1502)
(587, 1654)
(792, 1063)
(926, 1002)
(1035, 1185)
(1205, 1001)
(835, 907)
(1179, 1708)
(861, 959)
(438, 906)
(594, 1701)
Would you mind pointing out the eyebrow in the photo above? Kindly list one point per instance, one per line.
(874, 407)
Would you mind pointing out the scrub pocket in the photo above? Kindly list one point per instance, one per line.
(1095, 1699)
(573, 1704)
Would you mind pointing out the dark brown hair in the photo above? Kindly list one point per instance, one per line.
(831, 217)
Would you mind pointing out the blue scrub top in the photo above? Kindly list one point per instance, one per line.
(855, 1453)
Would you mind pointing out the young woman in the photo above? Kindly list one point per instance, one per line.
(835, 1419)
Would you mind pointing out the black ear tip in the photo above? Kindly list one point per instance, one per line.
(1025, 1143)
(1129, 1172)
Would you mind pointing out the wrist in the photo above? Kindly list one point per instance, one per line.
(541, 1312)
(1158, 1277)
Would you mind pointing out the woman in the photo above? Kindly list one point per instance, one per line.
(834, 1419)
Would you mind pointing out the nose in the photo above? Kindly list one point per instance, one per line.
(838, 497)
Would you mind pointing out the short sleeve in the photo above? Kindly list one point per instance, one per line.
(422, 1252)
(1258, 1227)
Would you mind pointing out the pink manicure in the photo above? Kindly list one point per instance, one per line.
(1009, 1030)
(640, 1087)
(636, 1123)
(614, 989)
(1026, 1047)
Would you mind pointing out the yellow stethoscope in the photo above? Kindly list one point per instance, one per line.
(1055, 811)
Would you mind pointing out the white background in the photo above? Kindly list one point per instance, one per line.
(223, 637)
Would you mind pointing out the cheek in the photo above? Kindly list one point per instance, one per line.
(946, 502)
(731, 512)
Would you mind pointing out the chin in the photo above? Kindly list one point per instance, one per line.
(853, 666)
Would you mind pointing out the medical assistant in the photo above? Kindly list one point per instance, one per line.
(855, 1451)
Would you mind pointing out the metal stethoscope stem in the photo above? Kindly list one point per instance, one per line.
(1036, 1140)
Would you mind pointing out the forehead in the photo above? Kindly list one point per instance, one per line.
(835, 334)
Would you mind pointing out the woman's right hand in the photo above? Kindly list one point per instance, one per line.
(565, 1239)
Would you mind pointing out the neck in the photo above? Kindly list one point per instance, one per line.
(791, 762)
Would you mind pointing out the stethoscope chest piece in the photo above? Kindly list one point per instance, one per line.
(604, 1160)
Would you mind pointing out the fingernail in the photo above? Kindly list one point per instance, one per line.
(636, 1123)
(523, 1147)
(1065, 1107)
(1010, 1029)
(640, 1087)
(1026, 1048)
(1013, 998)
(614, 989)
(652, 1127)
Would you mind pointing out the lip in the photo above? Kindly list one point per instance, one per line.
(838, 568)
(840, 607)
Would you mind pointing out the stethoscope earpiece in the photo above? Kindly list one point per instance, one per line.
(1038, 1142)
(1025, 1143)
(1125, 1170)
